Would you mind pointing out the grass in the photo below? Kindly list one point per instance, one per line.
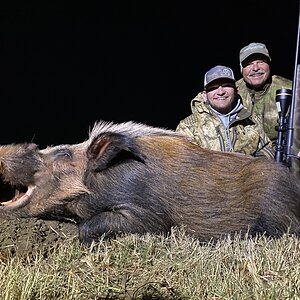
(155, 267)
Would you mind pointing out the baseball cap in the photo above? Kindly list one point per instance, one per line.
(218, 72)
(254, 48)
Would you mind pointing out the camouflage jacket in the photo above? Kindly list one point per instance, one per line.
(207, 130)
(264, 102)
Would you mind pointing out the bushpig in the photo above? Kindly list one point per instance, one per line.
(134, 178)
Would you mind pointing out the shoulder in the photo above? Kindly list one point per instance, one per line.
(187, 125)
(281, 81)
(189, 121)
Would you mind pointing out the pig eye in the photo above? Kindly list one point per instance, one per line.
(63, 153)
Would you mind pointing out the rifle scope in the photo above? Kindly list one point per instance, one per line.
(283, 102)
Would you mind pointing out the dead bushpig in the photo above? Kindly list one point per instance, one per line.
(131, 177)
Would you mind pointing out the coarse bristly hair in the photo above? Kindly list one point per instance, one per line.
(130, 128)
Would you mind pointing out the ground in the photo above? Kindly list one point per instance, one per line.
(28, 235)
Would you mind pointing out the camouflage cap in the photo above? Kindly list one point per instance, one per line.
(218, 72)
(254, 48)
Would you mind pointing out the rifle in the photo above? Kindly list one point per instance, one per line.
(286, 103)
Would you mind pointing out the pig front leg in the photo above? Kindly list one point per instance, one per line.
(125, 220)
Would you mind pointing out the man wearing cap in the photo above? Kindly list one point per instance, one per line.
(258, 87)
(219, 121)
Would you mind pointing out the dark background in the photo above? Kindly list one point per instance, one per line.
(65, 65)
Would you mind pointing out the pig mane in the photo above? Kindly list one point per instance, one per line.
(130, 128)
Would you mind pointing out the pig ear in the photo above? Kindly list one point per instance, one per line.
(109, 149)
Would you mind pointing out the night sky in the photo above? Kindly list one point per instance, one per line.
(65, 66)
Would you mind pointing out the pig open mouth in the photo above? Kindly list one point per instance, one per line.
(14, 196)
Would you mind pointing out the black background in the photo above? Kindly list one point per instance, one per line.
(65, 65)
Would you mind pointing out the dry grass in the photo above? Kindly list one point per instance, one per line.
(156, 267)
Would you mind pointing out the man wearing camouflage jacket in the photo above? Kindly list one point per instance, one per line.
(219, 121)
(257, 87)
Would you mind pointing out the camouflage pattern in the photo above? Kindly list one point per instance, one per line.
(207, 130)
(265, 103)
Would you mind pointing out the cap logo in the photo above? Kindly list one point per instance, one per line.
(255, 47)
(226, 72)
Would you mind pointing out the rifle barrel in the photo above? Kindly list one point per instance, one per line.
(291, 125)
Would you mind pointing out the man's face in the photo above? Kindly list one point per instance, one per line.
(256, 71)
(221, 94)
